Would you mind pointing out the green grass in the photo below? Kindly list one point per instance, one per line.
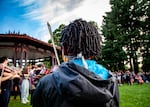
(17, 103)
(135, 95)
(130, 96)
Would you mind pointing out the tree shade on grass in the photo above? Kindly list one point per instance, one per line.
(130, 96)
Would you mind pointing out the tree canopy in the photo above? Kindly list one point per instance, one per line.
(127, 34)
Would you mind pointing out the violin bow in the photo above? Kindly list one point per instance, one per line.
(51, 36)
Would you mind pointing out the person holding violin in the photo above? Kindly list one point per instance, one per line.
(81, 80)
(6, 76)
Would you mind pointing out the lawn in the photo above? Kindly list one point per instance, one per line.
(135, 95)
(130, 96)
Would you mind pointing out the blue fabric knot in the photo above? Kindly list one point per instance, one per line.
(93, 67)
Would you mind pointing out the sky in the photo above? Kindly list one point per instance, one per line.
(31, 16)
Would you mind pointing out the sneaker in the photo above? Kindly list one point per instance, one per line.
(27, 101)
(23, 102)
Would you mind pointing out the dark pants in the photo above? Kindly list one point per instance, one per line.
(4, 98)
(16, 91)
(31, 96)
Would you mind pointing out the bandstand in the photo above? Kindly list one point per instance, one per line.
(23, 49)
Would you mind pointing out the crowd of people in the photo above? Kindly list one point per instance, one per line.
(130, 78)
(25, 82)
(19, 82)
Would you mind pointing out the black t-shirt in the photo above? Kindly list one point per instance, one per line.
(6, 84)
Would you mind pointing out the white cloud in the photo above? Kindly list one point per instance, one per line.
(25, 2)
(63, 11)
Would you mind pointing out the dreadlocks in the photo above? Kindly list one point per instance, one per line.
(81, 37)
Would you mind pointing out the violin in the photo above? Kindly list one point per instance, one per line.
(13, 69)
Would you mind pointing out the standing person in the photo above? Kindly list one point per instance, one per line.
(16, 88)
(6, 82)
(31, 78)
(80, 81)
(128, 77)
(25, 86)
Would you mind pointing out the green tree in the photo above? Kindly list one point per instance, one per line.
(125, 26)
(56, 37)
(57, 34)
(113, 55)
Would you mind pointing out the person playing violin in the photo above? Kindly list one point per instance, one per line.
(6, 77)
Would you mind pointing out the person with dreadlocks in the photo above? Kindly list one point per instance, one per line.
(80, 81)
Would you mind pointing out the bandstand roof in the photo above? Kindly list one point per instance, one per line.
(37, 49)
